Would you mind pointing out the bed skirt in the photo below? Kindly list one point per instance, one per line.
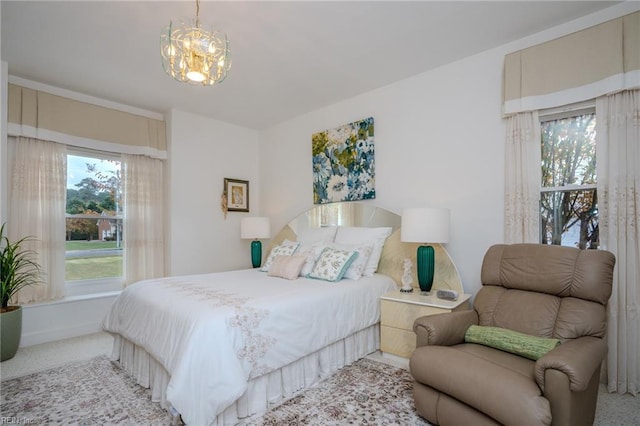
(263, 392)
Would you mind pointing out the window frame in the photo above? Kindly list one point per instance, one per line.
(94, 286)
(551, 114)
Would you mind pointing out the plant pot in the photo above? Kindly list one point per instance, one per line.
(10, 331)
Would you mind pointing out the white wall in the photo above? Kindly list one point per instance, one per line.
(3, 140)
(202, 152)
(71, 317)
(4, 70)
(439, 140)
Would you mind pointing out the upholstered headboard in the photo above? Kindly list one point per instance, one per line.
(393, 254)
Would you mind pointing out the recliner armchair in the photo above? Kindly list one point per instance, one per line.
(540, 290)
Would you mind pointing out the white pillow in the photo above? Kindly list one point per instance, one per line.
(356, 269)
(311, 253)
(317, 235)
(287, 267)
(332, 264)
(363, 235)
(287, 248)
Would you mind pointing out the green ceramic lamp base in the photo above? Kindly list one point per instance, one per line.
(425, 259)
(256, 253)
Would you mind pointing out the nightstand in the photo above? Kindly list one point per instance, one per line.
(399, 310)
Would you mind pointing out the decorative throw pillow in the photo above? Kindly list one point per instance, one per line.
(332, 264)
(286, 266)
(311, 253)
(531, 347)
(285, 249)
(364, 235)
(356, 269)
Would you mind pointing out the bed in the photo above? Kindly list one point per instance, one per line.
(218, 348)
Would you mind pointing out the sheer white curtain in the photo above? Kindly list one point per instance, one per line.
(523, 175)
(618, 144)
(143, 224)
(37, 197)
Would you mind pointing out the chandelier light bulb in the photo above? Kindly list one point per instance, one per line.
(196, 76)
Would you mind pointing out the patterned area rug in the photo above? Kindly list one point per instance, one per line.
(364, 393)
(98, 392)
(94, 392)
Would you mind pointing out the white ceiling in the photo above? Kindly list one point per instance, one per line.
(289, 58)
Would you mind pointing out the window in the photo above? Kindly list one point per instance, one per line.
(93, 261)
(568, 199)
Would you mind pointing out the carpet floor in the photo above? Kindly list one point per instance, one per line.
(364, 393)
(97, 392)
(94, 392)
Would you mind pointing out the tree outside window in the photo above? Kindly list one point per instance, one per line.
(569, 200)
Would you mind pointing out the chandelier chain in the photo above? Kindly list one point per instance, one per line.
(197, 13)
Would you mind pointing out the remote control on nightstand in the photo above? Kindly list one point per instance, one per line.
(447, 294)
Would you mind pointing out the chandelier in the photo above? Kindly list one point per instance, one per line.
(192, 54)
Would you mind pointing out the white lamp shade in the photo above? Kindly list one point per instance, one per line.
(425, 225)
(255, 228)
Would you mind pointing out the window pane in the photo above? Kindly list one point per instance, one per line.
(90, 253)
(94, 245)
(569, 151)
(570, 218)
(93, 185)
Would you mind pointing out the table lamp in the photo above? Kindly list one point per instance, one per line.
(425, 225)
(255, 228)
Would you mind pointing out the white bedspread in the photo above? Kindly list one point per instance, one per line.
(214, 332)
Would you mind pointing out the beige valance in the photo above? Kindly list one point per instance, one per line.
(577, 67)
(41, 115)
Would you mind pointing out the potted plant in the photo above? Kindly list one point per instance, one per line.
(17, 271)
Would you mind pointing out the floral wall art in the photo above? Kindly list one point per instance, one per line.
(343, 163)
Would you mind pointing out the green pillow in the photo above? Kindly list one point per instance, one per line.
(531, 347)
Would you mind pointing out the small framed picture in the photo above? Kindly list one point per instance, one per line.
(237, 193)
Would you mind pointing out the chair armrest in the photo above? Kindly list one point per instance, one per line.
(443, 329)
(578, 359)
